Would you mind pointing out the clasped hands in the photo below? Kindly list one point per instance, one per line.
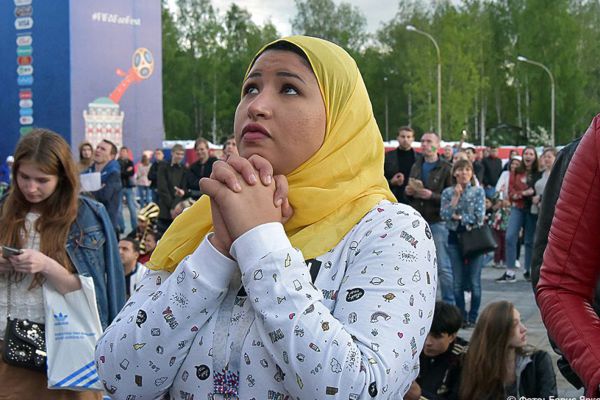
(244, 194)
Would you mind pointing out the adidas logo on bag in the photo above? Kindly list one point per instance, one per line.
(60, 319)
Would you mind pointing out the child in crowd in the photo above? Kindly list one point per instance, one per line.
(498, 224)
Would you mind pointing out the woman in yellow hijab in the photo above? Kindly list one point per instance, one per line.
(335, 300)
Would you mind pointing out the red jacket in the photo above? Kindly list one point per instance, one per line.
(517, 183)
(571, 266)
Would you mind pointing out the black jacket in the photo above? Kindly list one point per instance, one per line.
(439, 377)
(153, 173)
(393, 165)
(126, 175)
(538, 378)
(492, 168)
(196, 172)
(439, 179)
(169, 176)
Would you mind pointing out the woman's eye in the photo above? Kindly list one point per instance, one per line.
(288, 89)
(250, 89)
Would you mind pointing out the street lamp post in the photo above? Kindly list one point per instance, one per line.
(386, 107)
(439, 75)
(552, 93)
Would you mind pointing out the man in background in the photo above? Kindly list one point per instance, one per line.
(399, 162)
(129, 251)
(127, 189)
(492, 168)
(110, 179)
(171, 186)
(202, 168)
(429, 176)
(159, 159)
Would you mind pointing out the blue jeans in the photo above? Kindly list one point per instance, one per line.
(467, 275)
(440, 238)
(519, 217)
(130, 199)
(490, 191)
(145, 195)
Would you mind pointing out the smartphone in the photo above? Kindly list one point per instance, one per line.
(10, 251)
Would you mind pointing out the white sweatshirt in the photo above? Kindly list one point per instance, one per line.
(356, 333)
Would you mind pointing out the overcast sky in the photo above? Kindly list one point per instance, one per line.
(280, 12)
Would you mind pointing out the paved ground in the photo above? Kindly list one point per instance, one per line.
(521, 295)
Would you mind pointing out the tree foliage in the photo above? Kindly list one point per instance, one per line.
(484, 88)
(342, 24)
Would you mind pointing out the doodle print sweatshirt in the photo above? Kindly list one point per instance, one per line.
(349, 324)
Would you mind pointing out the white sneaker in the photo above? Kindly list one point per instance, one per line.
(517, 264)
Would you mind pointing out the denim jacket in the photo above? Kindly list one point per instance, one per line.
(93, 249)
(471, 207)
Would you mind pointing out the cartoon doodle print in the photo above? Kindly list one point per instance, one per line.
(180, 277)
(369, 287)
(141, 318)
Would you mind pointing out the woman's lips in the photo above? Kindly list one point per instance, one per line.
(252, 136)
(254, 132)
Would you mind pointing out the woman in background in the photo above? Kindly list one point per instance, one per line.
(142, 182)
(86, 154)
(463, 207)
(499, 364)
(546, 163)
(520, 193)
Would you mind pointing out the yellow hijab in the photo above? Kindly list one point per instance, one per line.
(334, 188)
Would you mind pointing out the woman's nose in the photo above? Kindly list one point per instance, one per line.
(259, 106)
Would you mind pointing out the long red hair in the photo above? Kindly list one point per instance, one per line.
(49, 152)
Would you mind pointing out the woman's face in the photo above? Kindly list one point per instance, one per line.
(514, 164)
(281, 116)
(86, 152)
(518, 337)
(548, 160)
(463, 175)
(35, 185)
(528, 157)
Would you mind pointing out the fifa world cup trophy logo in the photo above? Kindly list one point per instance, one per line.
(142, 66)
(103, 118)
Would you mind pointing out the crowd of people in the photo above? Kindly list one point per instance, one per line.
(303, 266)
(457, 189)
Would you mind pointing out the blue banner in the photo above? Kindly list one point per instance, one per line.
(86, 69)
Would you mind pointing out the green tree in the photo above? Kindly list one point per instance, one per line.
(343, 24)
(205, 55)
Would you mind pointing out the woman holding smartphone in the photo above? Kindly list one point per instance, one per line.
(59, 236)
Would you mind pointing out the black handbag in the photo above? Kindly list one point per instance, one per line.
(24, 342)
(477, 240)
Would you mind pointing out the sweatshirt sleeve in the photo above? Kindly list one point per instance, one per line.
(141, 352)
(369, 344)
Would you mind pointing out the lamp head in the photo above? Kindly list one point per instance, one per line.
(410, 28)
(521, 58)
